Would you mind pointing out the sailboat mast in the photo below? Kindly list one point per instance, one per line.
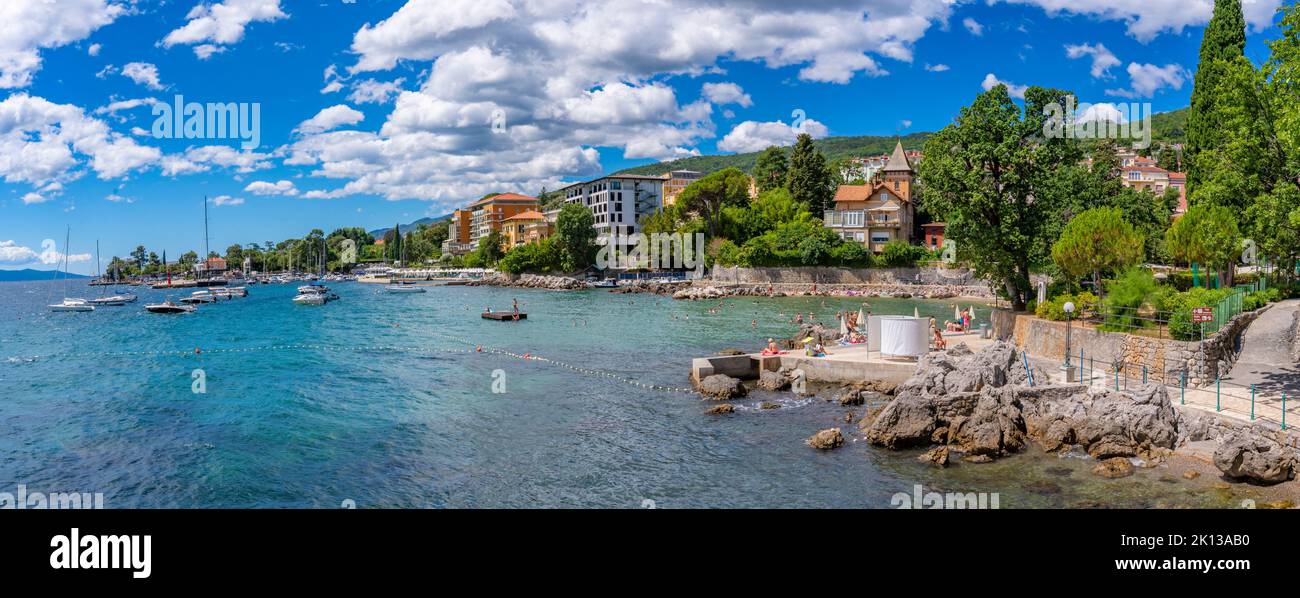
(206, 250)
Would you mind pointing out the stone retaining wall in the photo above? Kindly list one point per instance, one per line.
(850, 276)
(1165, 359)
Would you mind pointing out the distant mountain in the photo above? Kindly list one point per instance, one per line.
(405, 228)
(29, 274)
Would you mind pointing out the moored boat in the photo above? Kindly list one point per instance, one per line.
(168, 307)
(70, 304)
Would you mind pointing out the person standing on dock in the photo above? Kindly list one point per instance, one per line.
(515, 304)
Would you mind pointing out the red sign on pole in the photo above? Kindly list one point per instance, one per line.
(1202, 314)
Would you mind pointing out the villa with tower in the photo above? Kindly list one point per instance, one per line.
(881, 210)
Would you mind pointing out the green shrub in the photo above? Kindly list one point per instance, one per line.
(1085, 305)
(901, 254)
(852, 255)
(1126, 295)
(728, 253)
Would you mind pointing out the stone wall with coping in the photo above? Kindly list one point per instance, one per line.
(1165, 359)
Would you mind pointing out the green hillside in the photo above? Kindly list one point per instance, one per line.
(1170, 126)
(834, 148)
(1166, 126)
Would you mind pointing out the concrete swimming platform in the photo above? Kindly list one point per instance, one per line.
(841, 365)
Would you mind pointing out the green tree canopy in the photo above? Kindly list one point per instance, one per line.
(1098, 240)
(575, 237)
(1224, 41)
(990, 175)
(708, 196)
(771, 168)
(1206, 234)
(809, 178)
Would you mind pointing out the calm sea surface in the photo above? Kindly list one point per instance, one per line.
(372, 399)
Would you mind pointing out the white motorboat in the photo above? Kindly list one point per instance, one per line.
(198, 297)
(69, 304)
(230, 292)
(311, 299)
(107, 302)
(314, 294)
(403, 287)
(608, 283)
(168, 307)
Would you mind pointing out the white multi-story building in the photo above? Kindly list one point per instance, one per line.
(617, 202)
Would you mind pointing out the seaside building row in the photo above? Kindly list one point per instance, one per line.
(879, 211)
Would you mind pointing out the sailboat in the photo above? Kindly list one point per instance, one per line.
(69, 303)
(113, 301)
(316, 293)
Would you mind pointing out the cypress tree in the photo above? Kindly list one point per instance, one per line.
(809, 178)
(1224, 41)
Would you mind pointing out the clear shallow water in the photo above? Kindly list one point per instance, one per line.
(103, 402)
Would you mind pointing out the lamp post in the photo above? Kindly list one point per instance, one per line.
(1066, 365)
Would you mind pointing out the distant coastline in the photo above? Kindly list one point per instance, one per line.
(28, 274)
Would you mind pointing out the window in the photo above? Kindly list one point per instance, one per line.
(884, 196)
(880, 237)
(852, 218)
(616, 185)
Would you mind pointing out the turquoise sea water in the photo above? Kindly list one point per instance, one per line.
(371, 400)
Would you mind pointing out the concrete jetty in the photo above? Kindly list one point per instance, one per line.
(841, 365)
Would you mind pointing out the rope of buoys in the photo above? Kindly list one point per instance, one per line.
(478, 349)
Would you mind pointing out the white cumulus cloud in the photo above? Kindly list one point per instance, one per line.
(752, 136)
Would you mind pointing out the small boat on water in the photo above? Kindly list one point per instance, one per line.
(314, 294)
(70, 304)
(113, 300)
(198, 297)
(230, 292)
(403, 287)
(505, 316)
(608, 283)
(168, 307)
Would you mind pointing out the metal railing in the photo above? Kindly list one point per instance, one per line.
(1270, 403)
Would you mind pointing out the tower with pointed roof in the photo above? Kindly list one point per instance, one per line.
(899, 174)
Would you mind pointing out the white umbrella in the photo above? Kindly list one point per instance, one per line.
(972, 313)
(956, 313)
(862, 318)
(916, 312)
(844, 325)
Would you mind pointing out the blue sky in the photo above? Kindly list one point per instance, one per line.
(376, 111)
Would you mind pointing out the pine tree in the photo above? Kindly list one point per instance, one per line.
(1223, 42)
(809, 179)
(771, 169)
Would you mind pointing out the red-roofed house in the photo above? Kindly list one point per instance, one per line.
(878, 212)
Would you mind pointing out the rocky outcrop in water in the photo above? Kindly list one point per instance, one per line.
(979, 405)
(530, 281)
(1255, 458)
(826, 440)
(775, 381)
(722, 409)
(721, 387)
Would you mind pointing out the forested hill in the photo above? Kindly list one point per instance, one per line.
(1166, 126)
(834, 148)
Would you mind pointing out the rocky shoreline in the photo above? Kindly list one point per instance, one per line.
(706, 291)
(703, 290)
(978, 406)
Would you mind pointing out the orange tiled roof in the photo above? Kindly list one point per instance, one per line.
(503, 197)
(528, 215)
(861, 192)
